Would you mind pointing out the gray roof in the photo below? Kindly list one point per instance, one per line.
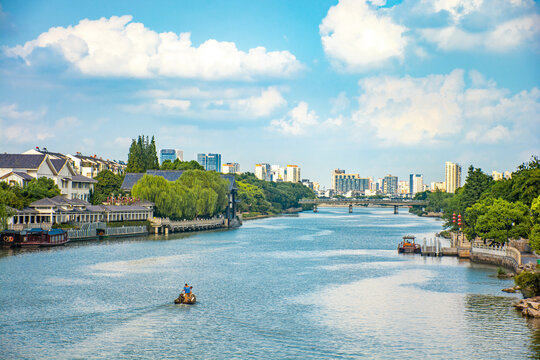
(172, 175)
(20, 161)
(124, 208)
(80, 178)
(59, 201)
(129, 180)
(58, 163)
(20, 174)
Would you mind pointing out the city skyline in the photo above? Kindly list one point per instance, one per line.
(442, 81)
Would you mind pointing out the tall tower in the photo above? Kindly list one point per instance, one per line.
(452, 177)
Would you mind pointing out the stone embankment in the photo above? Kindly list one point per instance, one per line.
(529, 307)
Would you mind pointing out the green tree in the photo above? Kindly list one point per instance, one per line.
(142, 155)
(252, 199)
(181, 165)
(5, 213)
(534, 236)
(40, 188)
(108, 184)
(497, 218)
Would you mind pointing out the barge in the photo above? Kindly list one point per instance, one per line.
(409, 246)
(33, 238)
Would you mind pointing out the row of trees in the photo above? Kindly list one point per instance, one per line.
(269, 197)
(491, 209)
(108, 184)
(196, 193)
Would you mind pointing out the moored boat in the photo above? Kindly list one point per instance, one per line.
(33, 238)
(409, 246)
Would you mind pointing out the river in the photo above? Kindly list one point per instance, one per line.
(326, 285)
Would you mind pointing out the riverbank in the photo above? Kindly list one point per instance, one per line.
(254, 216)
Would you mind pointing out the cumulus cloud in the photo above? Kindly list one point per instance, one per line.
(259, 106)
(119, 47)
(298, 121)
(359, 36)
(429, 109)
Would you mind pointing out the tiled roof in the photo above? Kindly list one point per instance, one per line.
(80, 178)
(20, 174)
(20, 161)
(130, 179)
(58, 163)
(59, 201)
(123, 207)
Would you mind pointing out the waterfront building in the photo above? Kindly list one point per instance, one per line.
(390, 185)
(22, 168)
(292, 174)
(342, 182)
(416, 183)
(60, 210)
(171, 155)
(452, 177)
(230, 168)
(210, 162)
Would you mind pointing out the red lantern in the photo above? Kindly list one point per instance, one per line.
(454, 218)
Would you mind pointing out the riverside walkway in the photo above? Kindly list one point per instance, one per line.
(165, 225)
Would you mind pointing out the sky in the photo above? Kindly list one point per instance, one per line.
(373, 87)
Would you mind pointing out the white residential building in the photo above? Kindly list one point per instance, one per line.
(452, 176)
(230, 168)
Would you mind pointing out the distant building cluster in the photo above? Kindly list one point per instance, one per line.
(276, 173)
(351, 185)
(210, 162)
(501, 175)
(73, 174)
(171, 155)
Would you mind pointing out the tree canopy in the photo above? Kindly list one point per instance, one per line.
(142, 155)
(181, 165)
(196, 193)
(108, 184)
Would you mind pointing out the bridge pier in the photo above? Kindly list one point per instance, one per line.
(350, 208)
(166, 231)
(396, 209)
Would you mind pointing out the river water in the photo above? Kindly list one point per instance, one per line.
(326, 285)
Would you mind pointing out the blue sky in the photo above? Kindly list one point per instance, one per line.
(373, 87)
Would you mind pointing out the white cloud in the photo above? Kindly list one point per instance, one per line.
(119, 47)
(259, 106)
(456, 8)
(410, 111)
(359, 36)
(340, 103)
(297, 122)
(174, 104)
(505, 36)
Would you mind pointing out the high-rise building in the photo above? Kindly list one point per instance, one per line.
(342, 182)
(403, 187)
(452, 177)
(390, 185)
(170, 154)
(416, 183)
(210, 162)
(262, 171)
(292, 174)
(335, 175)
(230, 168)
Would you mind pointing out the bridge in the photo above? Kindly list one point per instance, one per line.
(396, 203)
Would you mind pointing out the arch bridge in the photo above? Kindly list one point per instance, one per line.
(396, 203)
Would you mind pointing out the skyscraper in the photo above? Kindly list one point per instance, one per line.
(210, 162)
(452, 176)
(416, 183)
(293, 173)
(230, 168)
(262, 171)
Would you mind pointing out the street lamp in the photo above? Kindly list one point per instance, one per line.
(508, 227)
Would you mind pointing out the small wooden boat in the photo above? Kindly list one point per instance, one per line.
(188, 299)
(33, 238)
(409, 246)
